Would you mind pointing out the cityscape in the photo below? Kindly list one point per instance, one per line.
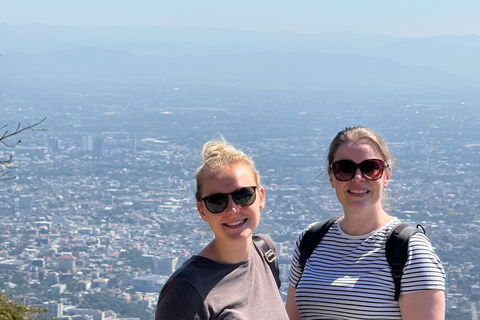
(99, 209)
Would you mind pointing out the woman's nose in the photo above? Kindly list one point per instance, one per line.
(358, 175)
(232, 207)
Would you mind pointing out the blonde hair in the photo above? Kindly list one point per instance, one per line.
(218, 154)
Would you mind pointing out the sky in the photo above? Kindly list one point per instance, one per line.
(406, 18)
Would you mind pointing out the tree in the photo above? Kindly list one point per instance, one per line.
(5, 165)
(15, 311)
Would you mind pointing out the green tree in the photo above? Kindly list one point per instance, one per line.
(10, 310)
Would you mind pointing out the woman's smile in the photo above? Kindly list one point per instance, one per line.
(235, 224)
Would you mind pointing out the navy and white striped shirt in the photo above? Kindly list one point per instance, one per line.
(348, 277)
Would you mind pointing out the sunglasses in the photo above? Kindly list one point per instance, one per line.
(372, 169)
(217, 202)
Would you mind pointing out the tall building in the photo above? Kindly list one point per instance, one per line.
(164, 265)
(38, 262)
(55, 310)
(66, 263)
(53, 144)
(58, 288)
(99, 148)
(52, 278)
(87, 143)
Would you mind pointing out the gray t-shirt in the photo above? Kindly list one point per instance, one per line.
(205, 289)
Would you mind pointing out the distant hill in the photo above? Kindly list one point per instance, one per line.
(239, 57)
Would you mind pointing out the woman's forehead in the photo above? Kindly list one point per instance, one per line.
(357, 149)
(231, 176)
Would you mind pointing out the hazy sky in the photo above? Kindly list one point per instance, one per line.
(410, 18)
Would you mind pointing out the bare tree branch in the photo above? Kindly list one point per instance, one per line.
(19, 129)
(6, 134)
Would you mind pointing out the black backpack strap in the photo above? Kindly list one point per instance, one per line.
(396, 251)
(269, 256)
(311, 238)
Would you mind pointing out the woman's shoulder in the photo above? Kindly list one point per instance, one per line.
(200, 272)
(395, 222)
(390, 225)
(184, 269)
(416, 239)
(331, 223)
(265, 238)
(194, 268)
(179, 298)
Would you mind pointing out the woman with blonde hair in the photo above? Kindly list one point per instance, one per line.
(229, 278)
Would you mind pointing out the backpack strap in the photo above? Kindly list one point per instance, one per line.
(311, 238)
(269, 256)
(396, 251)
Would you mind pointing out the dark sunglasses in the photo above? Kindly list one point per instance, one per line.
(372, 169)
(217, 202)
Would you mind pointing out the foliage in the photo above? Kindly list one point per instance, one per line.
(10, 310)
(19, 278)
(73, 286)
(135, 259)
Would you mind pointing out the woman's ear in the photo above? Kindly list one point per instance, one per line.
(331, 178)
(261, 198)
(201, 211)
(386, 175)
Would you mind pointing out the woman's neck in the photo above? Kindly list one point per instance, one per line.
(223, 252)
(356, 223)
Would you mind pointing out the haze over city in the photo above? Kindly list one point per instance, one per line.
(394, 18)
(102, 210)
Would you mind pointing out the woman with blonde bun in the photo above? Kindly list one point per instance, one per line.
(229, 278)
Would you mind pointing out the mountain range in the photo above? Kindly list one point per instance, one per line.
(235, 57)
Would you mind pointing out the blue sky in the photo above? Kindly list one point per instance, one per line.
(406, 18)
